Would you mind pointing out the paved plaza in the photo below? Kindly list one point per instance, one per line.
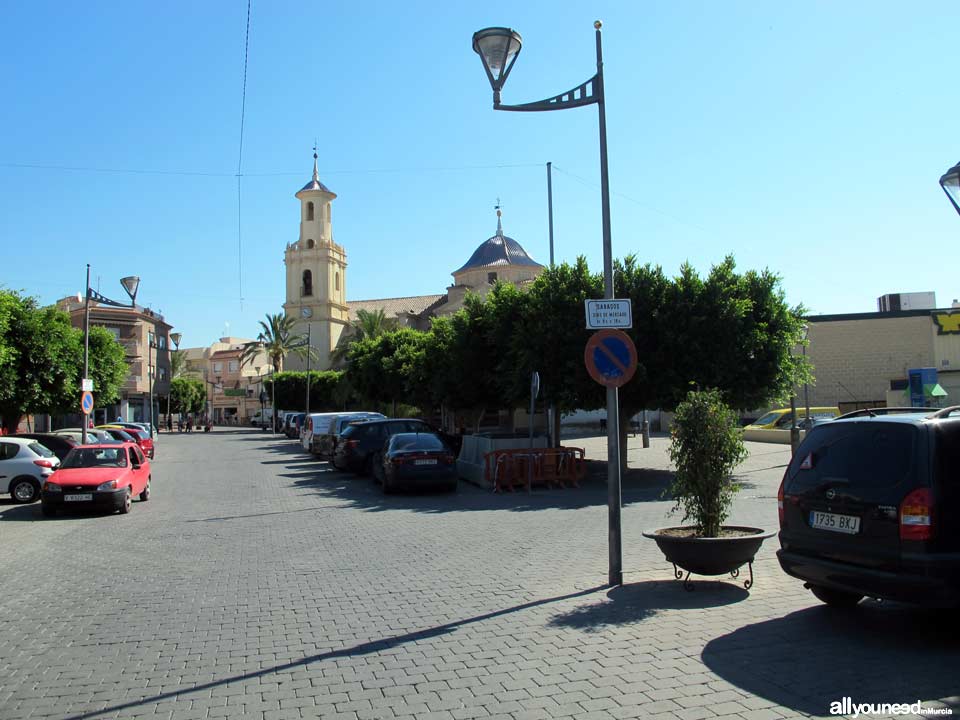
(259, 583)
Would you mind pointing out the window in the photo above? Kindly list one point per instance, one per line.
(150, 338)
(310, 243)
(218, 367)
(163, 374)
(309, 211)
(336, 282)
(307, 283)
(163, 342)
(491, 278)
(8, 451)
(233, 366)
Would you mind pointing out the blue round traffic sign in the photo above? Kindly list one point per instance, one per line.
(86, 403)
(611, 357)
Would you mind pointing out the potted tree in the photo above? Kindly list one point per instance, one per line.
(706, 445)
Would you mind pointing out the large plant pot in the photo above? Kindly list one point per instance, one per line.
(710, 556)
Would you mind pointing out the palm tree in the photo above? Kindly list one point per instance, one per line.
(365, 325)
(276, 339)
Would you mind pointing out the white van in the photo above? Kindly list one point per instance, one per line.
(262, 418)
(314, 421)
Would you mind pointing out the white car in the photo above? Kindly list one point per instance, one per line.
(24, 466)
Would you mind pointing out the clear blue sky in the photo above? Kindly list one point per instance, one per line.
(803, 137)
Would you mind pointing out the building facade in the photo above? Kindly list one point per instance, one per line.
(233, 386)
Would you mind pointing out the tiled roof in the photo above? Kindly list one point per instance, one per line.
(316, 185)
(392, 307)
(497, 251)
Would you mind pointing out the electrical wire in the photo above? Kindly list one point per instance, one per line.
(243, 112)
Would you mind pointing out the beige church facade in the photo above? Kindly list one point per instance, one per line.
(316, 277)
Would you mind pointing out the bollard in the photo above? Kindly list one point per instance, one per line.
(794, 440)
(645, 431)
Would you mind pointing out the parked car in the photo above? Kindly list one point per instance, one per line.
(325, 441)
(311, 424)
(94, 436)
(413, 460)
(59, 445)
(868, 507)
(118, 434)
(100, 476)
(361, 441)
(140, 436)
(291, 424)
(262, 418)
(24, 466)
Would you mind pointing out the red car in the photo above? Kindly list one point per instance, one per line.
(100, 476)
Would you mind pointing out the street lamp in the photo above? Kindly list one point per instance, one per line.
(950, 182)
(806, 385)
(498, 48)
(130, 284)
(175, 339)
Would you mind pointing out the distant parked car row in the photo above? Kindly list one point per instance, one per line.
(396, 452)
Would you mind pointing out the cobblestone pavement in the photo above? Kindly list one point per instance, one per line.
(258, 583)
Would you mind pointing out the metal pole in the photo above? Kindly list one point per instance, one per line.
(86, 347)
(615, 571)
(550, 207)
(806, 391)
(150, 372)
(273, 396)
(794, 430)
(309, 353)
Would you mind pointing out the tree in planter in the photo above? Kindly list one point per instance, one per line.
(706, 445)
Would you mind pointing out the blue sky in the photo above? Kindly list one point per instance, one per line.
(803, 137)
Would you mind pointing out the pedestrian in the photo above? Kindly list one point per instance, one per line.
(169, 423)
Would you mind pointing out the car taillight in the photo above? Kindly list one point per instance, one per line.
(43, 463)
(448, 459)
(916, 511)
(399, 460)
(780, 502)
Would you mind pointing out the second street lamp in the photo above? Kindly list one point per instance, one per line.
(950, 182)
(498, 48)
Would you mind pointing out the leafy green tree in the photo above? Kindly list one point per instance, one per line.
(188, 395)
(380, 368)
(291, 390)
(366, 325)
(178, 363)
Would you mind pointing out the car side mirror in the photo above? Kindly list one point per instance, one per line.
(135, 466)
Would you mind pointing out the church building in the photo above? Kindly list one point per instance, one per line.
(317, 279)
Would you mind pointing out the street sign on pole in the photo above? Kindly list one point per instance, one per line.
(611, 358)
(86, 385)
(86, 402)
(608, 314)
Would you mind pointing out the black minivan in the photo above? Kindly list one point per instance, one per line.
(869, 506)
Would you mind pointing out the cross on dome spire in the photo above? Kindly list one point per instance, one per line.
(316, 173)
(499, 225)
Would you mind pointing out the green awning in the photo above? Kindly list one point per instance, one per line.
(934, 390)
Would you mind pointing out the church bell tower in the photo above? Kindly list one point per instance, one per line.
(316, 276)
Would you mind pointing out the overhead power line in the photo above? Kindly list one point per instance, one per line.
(243, 112)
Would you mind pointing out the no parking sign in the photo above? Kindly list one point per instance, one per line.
(611, 357)
(86, 403)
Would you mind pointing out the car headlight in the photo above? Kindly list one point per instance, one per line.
(109, 485)
(52, 487)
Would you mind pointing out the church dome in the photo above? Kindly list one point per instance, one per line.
(496, 251)
(315, 183)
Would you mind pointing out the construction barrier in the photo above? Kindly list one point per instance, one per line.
(526, 467)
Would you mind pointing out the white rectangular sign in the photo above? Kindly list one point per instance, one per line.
(608, 314)
(86, 385)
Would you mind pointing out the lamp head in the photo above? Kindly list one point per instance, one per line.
(130, 284)
(175, 339)
(950, 182)
(498, 48)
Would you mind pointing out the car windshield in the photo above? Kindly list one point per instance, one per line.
(768, 418)
(88, 457)
(41, 450)
(415, 441)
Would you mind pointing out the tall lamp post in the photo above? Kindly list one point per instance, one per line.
(950, 182)
(175, 339)
(130, 284)
(498, 48)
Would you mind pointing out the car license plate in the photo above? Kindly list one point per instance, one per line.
(427, 461)
(78, 498)
(849, 524)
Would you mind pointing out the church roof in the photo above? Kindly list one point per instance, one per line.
(315, 183)
(392, 307)
(497, 251)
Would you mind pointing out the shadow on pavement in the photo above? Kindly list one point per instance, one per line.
(364, 648)
(876, 652)
(638, 601)
(14, 512)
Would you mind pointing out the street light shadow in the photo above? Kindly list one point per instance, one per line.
(364, 648)
(873, 653)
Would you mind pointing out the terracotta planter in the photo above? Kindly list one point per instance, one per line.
(710, 556)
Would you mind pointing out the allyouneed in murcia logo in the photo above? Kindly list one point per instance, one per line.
(848, 707)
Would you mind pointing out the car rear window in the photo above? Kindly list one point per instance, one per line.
(863, 454)
(416, 441)
(41, 450)
(767, 419)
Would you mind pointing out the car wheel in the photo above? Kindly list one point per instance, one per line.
(48, 510)
(145, 495)
(24, 490)
(835, 598)
(388, 487)
(127, 502)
